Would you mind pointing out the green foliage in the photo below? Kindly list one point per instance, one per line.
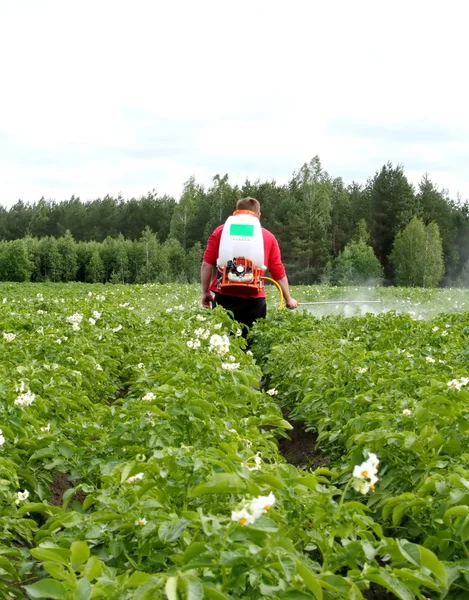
(417, 255)
(95, 268)
(15, 264)
(357, 264)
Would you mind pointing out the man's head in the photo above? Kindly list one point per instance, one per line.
(249, 204)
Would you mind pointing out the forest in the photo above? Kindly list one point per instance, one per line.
(384, 230)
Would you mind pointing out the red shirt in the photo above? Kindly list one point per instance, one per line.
(272, 259)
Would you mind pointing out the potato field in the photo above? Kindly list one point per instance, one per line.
(142, 445)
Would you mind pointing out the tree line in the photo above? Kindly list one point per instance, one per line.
(328, 231)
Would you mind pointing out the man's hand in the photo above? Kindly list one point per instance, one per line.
(291, 302)
(207, 298)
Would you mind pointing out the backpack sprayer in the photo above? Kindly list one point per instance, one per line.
(241, 238)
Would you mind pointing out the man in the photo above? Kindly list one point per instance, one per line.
(245, 306)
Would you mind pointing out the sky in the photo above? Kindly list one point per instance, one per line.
(123, 97)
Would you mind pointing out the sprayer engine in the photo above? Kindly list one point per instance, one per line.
(240, 270)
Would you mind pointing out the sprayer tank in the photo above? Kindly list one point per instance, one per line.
(242, 237)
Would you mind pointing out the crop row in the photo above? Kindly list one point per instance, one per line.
(394, 385)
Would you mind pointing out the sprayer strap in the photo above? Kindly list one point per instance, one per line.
(245, 212)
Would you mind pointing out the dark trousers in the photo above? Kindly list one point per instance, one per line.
(245, 310)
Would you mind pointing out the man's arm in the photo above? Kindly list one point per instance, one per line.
(206, 278)
(289, 301)
(277, 270)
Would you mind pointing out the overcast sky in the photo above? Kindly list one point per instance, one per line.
(106, 97)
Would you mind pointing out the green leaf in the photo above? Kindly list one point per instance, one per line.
(37, 507)
(59, 571)
(213, 594)
(137, 578)
(455, 511)
(83, 591)
(47, 588)
(60, 555)
(80, 553)
(390, 583)
(431, 562)
(171, 588)
(219, 483)
(190, 587)
(193, 550)
(288, 566)
(170, 533)
(93, 568)
(65, 450)
(309, 579)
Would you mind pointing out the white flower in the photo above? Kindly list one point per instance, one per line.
(76, 318)
(356, 339)
(216, 340)
(373, 460)
(239, 332)
(361, 486)
(272, 392)
(40, 330)
(135, 478)
(196, 343)
(230, 366)
(457, 384)
(362, 370)
(2, 438)
(149, 397)
(96, 315)
(262, 504)
(365, 474)
(92, 321)
(58, 341)
(25, 399)
(243, 517)
(22, 496)
(219, 343)
(200, 318)
(429, 359)
(190, 343)
(141, 522)
(9, 337)
(231, 358)
(406, 412)
(444, 333)
(217, 326)
(257, 463)
(40, 312)
(249, 353)
(199, 332)
(44, 429)
(99, 367)
(124, 305)
(116, 329)
(435, 329)
(140, 366)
